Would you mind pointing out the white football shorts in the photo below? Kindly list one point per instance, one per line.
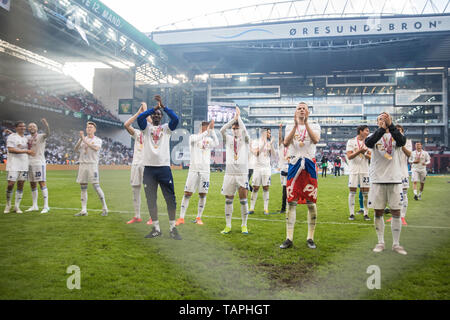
(197, 180)
(17, 176)
(382, 194)
(261, 177)
(361, 179)
(88, 173)
(232, 183)
(36, 173)
(419, 176)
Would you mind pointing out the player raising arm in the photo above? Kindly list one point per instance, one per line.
(137, 169)
(200, 146)
(37, 164)
(156, 162)
(236, 170)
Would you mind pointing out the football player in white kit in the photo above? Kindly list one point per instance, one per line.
(17, 165)
(385, 174)
(419, 161)
(358, 156)
(284, 166)
(407, 151)
(261, 175)
(236, 170)
(200, 146)
(301, 186)
(137, 167)
(37, 165)
(89, 148)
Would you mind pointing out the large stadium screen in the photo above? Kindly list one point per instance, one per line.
(221, 113)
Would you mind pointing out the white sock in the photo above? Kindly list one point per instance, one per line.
(396, 228)
(19, 195)
(137, 201)
(405, 204)
(8, 197)
(228, 211)
(156, 225)
(201, 206)
(415, 192)
(44, 191)
(365, 199)
(420, 193)
(290, 220)
(244, 211)
(184, 205)
(34, 197)
(253, 200)
(101, 195)
(266, 200)
(312, 216)
(84, 199)
(171, 224)
(351, 202)
(379, 227)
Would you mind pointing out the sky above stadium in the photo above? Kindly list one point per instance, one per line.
(146, 16)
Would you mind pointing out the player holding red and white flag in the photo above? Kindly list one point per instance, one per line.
(301, 184)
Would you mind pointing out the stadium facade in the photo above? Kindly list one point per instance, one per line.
(347, 67)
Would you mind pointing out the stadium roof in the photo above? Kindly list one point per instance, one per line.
(312, 37)
(79, 30)
(309, 9)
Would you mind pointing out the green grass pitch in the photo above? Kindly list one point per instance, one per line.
(117, 262)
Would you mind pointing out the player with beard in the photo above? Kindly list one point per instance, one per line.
(301, 184)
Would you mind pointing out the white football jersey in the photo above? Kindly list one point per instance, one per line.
(263, 159)
(138, 153)
(87, 154)
(200, 146)
(424, 159)
(386, 167)
(308, 150)
(359, 164)
(237, 149)
(157, 145)
(251, 155)
(404, 159)
(37, 144)
(17, 161)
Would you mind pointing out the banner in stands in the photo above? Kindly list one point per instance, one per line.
(5, 4)
(125, 106)
(307, 29)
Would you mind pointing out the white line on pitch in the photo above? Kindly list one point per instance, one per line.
(258, 219)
